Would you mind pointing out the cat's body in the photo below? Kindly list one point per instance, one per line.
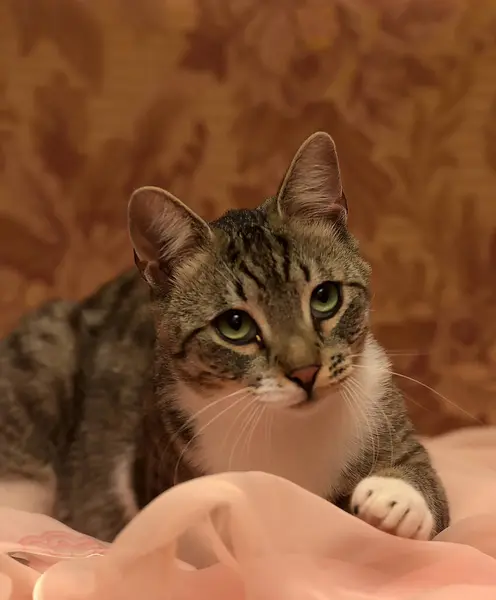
(73, 378)
(108, 402)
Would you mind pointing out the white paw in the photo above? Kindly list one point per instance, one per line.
(393, 505)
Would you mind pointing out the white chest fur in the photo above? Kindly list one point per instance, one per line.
(309, 448)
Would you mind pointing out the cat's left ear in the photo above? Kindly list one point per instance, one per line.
(311, 188)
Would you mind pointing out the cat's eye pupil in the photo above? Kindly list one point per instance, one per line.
(236, 321)
(322, 294)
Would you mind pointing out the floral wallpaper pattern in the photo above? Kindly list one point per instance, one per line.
(210, 98)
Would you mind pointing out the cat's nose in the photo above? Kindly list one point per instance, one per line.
(305, 377)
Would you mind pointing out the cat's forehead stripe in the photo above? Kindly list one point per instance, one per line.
(265, 260)
(251, 274)
(269, 257)
(254, 252)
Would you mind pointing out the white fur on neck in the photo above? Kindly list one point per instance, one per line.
(310, 448)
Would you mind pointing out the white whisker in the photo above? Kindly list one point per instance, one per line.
(250, 408)
(238, 417)
(269, 421)
(256, 422)
(345, 392)
(399, 353)
(249, 422)
(428, 387)
(388, 422)
(200, 431)
(195, 415)
(355, 391)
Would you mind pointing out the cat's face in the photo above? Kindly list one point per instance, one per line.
(275, 309)
(273, 302)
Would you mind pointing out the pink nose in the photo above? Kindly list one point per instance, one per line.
(305, 377)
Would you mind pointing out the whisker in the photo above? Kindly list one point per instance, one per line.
(195, 415)
(202, 429)
(248, 423)
(251, 409)
(250, 420)
(351, 407)
(238, 417)
(428, 387)
(372, 431)
(399, 354)
(256, 422)
(266, 428)
(354, 407)
(191, 419)
(416, 402)
(269, 421)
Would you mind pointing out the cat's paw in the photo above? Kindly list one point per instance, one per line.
(393, 505)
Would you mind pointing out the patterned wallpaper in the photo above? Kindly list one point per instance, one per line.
(210, 98)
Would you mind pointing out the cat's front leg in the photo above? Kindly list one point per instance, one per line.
(406, 499)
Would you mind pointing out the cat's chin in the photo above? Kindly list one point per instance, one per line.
(318, 399)
(281, 400)
(295, 402)
(306, 404)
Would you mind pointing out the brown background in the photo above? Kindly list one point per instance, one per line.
(210, 98)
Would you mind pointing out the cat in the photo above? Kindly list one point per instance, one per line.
(237, 345)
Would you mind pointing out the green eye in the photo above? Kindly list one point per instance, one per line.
(326, 300)
(237, 327)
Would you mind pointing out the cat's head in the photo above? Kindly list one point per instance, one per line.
(273, 301)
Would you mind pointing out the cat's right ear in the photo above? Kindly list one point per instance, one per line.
(164, 232)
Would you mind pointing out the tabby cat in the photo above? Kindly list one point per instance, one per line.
(240, 344)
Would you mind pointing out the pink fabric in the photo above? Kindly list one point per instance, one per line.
(253, 536)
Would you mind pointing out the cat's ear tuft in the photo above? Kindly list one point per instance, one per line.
(311, 188)
(164, 232)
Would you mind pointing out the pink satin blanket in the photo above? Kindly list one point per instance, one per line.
(253, 536)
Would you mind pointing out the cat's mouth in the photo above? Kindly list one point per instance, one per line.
(300, 397)
(310, 400)
(306, 402)
(320, 394)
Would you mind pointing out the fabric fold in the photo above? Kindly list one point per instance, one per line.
(254, 536)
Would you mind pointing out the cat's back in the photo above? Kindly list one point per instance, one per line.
(117, 339)
(118, 312)
(64, 353)
(72, 376)
(62, 331)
